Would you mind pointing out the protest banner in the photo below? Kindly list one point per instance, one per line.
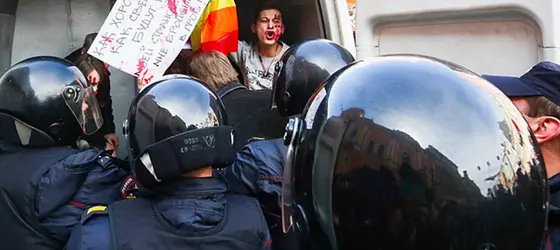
(143, 37)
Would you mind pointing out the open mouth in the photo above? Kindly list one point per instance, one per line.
(270, 34)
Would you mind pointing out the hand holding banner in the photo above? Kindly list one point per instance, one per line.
(143, 37)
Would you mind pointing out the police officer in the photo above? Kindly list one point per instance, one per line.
(46, 184)
(258, 169)
(176, 133)
(409, 152)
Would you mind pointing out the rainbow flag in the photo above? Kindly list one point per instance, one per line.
(217, 28)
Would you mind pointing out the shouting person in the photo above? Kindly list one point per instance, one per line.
(258, 169)
(256, 60)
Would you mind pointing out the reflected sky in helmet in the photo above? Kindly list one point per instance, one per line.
(43, 80)
(415, 123)
(185, 106)
(302, 69)
(182, 97)
(397, 141)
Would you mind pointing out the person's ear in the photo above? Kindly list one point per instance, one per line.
(254, 28)
(282, 29)
(83, 51)
(545, 128)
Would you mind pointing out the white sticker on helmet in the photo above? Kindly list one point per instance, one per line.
(317, 100)
(147, 161)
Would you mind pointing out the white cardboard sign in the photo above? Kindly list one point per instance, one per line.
(143, 37)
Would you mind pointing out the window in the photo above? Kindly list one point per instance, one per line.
(370, 146)
(353, 134)
(406, 158)
(381, 151)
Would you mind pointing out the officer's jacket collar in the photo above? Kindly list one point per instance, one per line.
(178, 201)
(9, 148)
(554, 185)
(189, 187)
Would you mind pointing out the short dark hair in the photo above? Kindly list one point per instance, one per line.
(542, 106)
(266, 5)
(88, 41)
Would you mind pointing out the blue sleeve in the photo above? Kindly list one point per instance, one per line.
(257, 169)
(84, 178)
(243, 175)
(94, 234)
(267, 241)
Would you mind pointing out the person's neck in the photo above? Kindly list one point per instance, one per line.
(551, 161)
(269, 50)
(199, 173)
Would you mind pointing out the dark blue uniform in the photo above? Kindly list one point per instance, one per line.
(188, 214)
(258, 169)
(552, 241)
(257, 172)
(44, 193)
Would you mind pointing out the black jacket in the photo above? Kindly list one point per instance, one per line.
(249, 113)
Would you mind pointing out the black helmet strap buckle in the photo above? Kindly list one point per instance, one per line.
(188, 151)
(278, 67)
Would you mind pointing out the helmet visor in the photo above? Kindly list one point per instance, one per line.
(80, 99)
(288, 193)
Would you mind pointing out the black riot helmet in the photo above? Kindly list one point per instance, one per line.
(46, 101)
(410, 152)
(302, 69)
(174, 126)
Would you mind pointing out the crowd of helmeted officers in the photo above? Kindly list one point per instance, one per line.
(280, 147)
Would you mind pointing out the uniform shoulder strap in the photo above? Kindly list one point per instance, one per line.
(93, 211)
(254, 139)
(104, 160)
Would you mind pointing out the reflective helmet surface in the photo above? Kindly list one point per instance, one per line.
(302, 69)
(51, 95)
(411, 152)
(167, 108)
